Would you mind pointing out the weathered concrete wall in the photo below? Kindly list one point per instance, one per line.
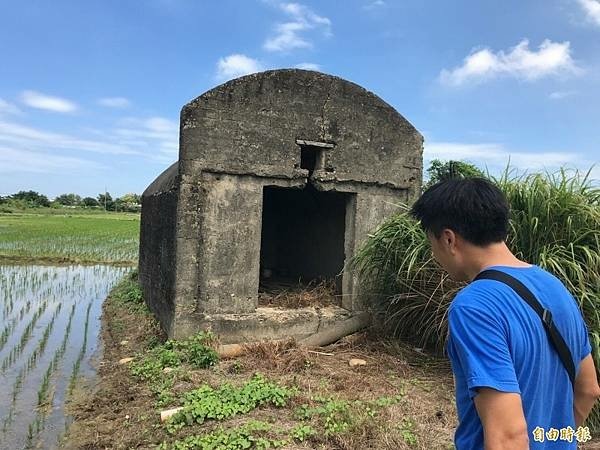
(365, 211)
(250, 125)
(157, 246)
(275, 323)
(372, 209)
(235, 140)
(230, 246)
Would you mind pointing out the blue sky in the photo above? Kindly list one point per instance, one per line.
(90, 92)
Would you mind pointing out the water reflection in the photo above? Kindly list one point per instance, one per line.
(49, 327)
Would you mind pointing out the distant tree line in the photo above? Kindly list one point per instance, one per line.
(32, 199)
(437, 171)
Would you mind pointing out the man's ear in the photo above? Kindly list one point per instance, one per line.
(449, 240)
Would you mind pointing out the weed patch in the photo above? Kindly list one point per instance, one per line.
(129, 293)
(249, 435)
(337, 416)
(194, 352)
(228, 401)
(407, 429)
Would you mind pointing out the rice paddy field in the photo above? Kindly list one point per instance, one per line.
(50, 318)
(55, 272)
(110, 238)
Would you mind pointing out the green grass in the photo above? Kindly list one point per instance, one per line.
(77, 237)
(206, 403)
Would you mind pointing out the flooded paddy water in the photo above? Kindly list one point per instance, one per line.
(49, 328)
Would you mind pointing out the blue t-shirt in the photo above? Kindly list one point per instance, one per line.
(497, 340)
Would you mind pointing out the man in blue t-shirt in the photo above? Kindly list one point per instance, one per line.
(512, 389)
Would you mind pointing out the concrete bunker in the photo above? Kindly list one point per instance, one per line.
(281, 176)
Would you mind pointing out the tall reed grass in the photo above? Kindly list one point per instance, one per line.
(555, 223)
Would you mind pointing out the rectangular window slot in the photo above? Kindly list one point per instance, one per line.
(309, 157)
(312, 155)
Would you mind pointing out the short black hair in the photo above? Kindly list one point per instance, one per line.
(474, 208)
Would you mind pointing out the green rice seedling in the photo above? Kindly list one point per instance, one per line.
(33, 431)
(108, 238)
(6, 332)
(77, 363)
(8, 305)
(15, 392)
(16, 351)
(17, 385)
(42, 393)
(25, 310)
(7, 420)
(43, 390)
(39, 350)
(44, 298)
(30, 436)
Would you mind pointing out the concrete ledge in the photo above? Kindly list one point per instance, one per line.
(273, 323)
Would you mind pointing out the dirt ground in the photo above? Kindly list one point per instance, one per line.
(117, 411)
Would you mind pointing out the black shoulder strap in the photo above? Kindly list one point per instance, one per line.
(545, 315)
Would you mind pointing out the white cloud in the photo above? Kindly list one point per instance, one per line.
(24, 137)
(27, 149)
(288, 35)
(375, 4)
(287, 38)
(16, 161)
(308, 66)
(114, 102)
(46, 102)
(236, 65)
(591, 9)
(161, 125)
(155, 133)
(495, 157)
(552, 58)
(559, 95)
(8, 108)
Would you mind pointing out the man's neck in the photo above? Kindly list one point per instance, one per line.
(493, 255)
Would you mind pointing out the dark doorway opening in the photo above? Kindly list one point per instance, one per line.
(302, 242)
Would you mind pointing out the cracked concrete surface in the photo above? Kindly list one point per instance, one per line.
(323, 134)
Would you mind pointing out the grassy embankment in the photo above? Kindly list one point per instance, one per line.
(73, 236)
(275, 396)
